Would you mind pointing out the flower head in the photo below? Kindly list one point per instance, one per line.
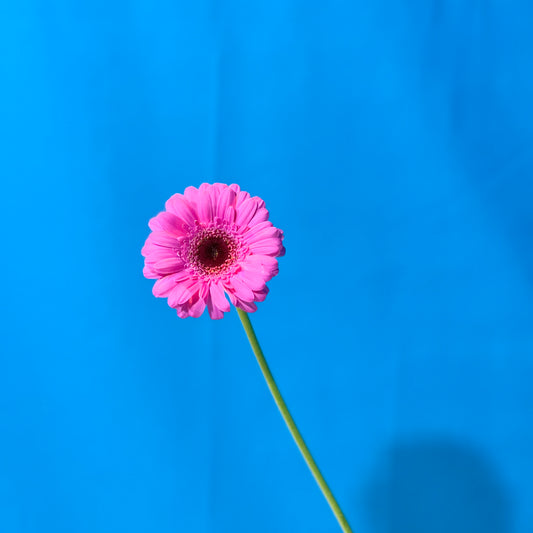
(212, 241)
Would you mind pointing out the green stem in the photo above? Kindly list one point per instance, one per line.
(304, 450)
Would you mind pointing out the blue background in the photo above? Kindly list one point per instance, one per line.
(392, 141)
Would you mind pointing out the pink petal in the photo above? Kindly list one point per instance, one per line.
(260, 216)
(268, 247)
(249, 307)
(253, 280)
(241, 290)
(204, 289)
(245, 212)
(232, 297)
(158, 253)
(149, 272)
(154, 224)
(169, 223)
(193, 307)
(178, 205)
(181, 293)
(261, 295)
(163, 286)
(260, 202)
(162, 238)
(196, 309)
(225, 200)
(264, 234)
(148, 247)
(265, 265)
(229, 214)
(191, 195)
(218, 298)
(252, 230)
(183, 311)
(266, 261)
(214, 312)
(242, 196)
(169, 266)
(216, 192)
(204, 207)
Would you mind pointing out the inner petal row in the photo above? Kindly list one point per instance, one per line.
(212, 251)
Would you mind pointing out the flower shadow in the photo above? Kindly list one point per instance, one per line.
(436, 486)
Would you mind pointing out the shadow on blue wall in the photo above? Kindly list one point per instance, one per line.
(436, 486)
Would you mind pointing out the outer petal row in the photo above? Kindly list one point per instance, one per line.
(190, 297)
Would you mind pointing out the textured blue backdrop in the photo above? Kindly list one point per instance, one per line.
(392, 141)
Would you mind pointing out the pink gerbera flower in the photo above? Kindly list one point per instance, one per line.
(209, 242)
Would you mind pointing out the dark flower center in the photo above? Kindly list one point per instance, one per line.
(213, 252)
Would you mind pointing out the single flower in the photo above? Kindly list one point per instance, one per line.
(212, 241)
